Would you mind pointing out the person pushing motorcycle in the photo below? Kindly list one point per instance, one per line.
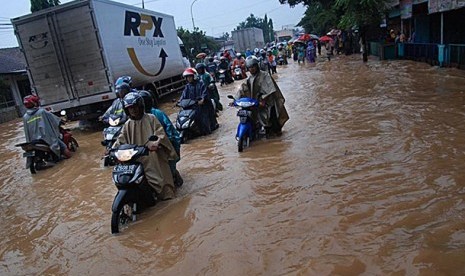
(39, 124)
(262, 87)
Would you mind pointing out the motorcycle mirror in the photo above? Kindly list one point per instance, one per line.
(153, 138)
(230, 97)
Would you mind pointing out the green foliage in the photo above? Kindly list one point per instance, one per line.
(262, 23)
(37, 5)
(197, 41)
(343, 14)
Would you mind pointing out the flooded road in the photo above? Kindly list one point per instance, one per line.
(368, 178)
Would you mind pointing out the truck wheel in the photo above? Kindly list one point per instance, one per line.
(153, 90)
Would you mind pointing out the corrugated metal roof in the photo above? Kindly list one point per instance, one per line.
(12, 61)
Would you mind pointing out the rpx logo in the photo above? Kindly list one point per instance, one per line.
(139, 24)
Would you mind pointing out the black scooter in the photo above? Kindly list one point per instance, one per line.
(134, 192)
(38, 154)
(186, 120)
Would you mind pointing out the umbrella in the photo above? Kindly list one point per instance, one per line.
(304, 37)
(325, 38)
(300, 41)
(201, 55)
(312, 36)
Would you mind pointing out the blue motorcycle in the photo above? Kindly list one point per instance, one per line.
(246, 130)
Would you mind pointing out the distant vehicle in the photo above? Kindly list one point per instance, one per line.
(76, 51)
(248, 38)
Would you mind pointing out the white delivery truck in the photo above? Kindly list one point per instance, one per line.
(76, 51)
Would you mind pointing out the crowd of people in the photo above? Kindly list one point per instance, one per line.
(142, 119)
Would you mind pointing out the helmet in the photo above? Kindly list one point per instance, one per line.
(238, 55)
(31, 101)
(190, 72)
(123, 79)
(200, 66)
(222, 58)
(135, 100)
(251, 61)
(122, 89)
(148, 100)
(256, 51)
(262, 52)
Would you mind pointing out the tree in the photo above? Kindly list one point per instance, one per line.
(37, 5)
(196, 42)
(350, 13)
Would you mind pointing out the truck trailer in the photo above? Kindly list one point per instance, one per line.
(248, 38)
(75, 52)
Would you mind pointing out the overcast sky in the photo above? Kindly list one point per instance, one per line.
(215, 17)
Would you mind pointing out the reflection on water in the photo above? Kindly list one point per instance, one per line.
(368, 177)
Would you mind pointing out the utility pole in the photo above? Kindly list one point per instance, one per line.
(192, 15)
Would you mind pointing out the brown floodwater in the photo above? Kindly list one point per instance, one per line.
(368, 178)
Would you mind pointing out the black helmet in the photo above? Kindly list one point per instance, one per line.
(148, 100)
(134, 99)
(122, 89)
(200, 66)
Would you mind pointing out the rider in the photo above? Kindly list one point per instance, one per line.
(272, 61)
(283, 53)
(196, 90)
(122, 87)
(170, 130)
(212, 91)
(137, 130)
(239, 61)
(264, 64)
(224, 65)
(212, 67)
(262, 87)
(39, 124)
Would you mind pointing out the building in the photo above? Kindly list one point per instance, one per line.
(14, 83)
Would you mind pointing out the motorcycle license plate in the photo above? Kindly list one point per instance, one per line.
(112, 130)
(28, 154)
(124, 168)
(242, 113)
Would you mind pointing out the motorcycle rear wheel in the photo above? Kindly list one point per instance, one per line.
(32, 166)
(73, 145)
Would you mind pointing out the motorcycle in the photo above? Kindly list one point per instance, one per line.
(38, 154)
(110, 134)
(185, 121)
(222, 76)
(237, 72)
(246, 130)
(134, 193)
(280, 60)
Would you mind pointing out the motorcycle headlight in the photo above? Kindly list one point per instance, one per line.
(186, 124)
(114, 122)
(125, 155)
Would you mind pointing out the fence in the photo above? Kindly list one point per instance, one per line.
(426, 52)
(455, 55)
